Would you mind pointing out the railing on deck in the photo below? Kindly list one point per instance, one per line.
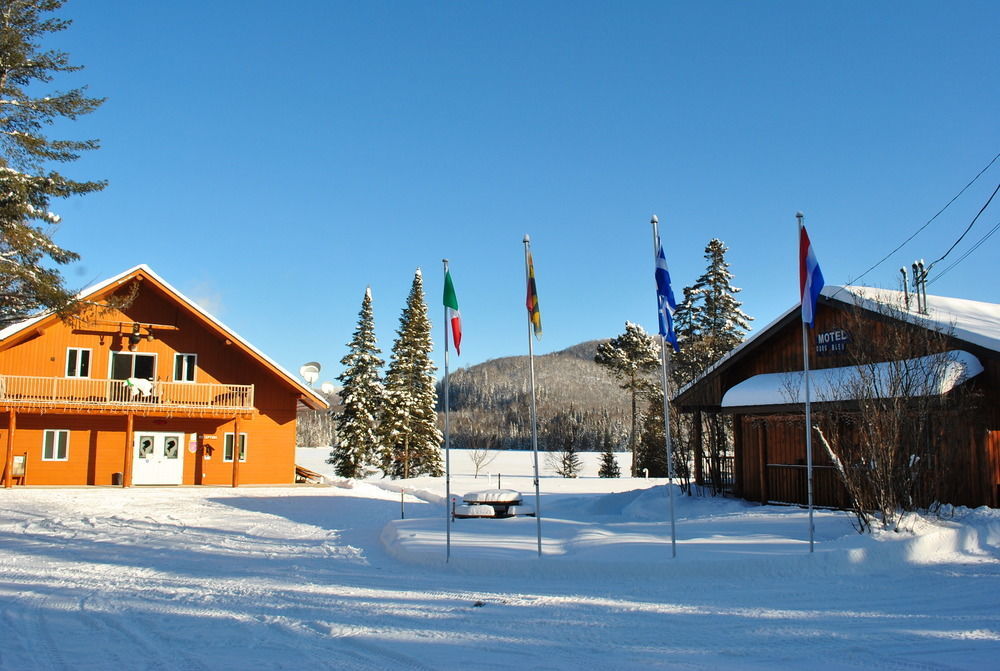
(86, 392)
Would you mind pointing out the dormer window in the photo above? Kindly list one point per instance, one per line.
(77, 362)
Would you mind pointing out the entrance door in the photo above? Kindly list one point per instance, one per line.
(159, 459)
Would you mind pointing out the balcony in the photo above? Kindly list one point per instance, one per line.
(140, 396)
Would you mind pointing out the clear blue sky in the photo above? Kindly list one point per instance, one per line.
(271, 160)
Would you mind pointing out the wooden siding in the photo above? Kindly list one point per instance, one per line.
(97, 445)
(769, 442)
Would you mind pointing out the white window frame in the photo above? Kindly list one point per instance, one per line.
(56, 433)
(111, 361)
(79, 357)
(189, 367)
(227, 447)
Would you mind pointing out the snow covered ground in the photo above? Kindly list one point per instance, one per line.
(331, 578)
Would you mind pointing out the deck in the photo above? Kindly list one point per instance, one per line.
(26, 393)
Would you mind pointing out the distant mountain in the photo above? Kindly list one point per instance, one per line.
(576, 400)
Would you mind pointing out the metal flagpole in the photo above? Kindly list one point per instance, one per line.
(534, 415)
(447, 436)
(809, 451)
(664, 371)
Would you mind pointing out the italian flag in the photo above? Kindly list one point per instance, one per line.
(454, 316)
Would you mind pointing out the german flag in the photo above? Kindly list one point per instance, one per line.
(534, 316)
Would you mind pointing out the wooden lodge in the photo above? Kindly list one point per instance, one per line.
(154, 393)
(756, 393)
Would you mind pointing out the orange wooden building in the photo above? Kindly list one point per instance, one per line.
(155, 393)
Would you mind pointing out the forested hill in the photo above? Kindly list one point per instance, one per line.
(577, 400)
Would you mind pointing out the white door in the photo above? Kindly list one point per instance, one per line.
(159, 458)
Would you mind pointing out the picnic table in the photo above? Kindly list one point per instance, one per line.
(492, 503)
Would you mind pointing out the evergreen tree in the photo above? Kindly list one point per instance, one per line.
(410, 438)
(609, 464)
(563, 435)
(721, 324)
(653, 446)
(631, 358)
(693, 356)
(362, 399)
(26, 248)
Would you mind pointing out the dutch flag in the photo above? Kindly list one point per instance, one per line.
(810, 278)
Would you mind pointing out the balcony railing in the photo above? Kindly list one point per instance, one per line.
(84, 392)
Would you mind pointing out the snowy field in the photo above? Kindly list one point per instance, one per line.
(331, 578)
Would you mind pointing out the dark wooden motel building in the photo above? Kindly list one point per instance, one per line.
(751, 390)
(158, 392)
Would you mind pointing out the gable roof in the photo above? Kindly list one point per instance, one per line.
(975, 322)
(308, 396)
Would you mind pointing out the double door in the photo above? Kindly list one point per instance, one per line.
(158, 458)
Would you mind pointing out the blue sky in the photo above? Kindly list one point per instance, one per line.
(271, 160)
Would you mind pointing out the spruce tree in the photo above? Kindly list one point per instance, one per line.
(27, 280)
(721, 324)
(362, 399)
(632, 358)
(609, 464)
(411, 441)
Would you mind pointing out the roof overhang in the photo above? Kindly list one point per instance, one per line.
(931, 375)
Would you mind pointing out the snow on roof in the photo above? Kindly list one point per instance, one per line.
(975, 322)
(972, 321)
(15, 328)
(923, 376)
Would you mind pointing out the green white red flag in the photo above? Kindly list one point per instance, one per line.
(454, 316)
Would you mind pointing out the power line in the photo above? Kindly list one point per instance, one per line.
(967, 252)
(928, 222)
(968, 228)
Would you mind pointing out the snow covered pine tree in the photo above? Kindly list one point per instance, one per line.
(411, 441)
(26, 284)
(632, 358)
(721, 324)
(362, 398)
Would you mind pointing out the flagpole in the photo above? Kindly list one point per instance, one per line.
(809, 453)
(664, 372)
(447, 436)
(534, 414)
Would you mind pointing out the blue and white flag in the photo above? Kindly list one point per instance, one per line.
(665, 298)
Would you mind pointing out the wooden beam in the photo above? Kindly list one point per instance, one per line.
(762, 454)
(129, 449)
(699, 475)
(8, 472)
(236, 451)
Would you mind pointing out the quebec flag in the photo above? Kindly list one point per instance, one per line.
(665, 298)
(810, 278)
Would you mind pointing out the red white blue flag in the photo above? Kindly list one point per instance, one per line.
(810, 278)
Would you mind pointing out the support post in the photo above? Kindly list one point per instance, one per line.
(236, 451)
(8, 469)
(129, 450)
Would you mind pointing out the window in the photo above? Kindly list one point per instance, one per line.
(77, 362)
(227, 451)
(55, 445)
(184, 365)
(127, 364)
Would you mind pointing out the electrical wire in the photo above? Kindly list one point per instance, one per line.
(965, 254)
(928, 222)
(968, 228)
